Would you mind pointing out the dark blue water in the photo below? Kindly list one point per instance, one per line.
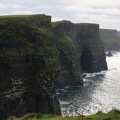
(100, 92)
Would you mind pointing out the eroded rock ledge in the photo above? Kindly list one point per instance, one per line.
(36, 57)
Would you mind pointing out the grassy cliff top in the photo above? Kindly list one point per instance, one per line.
(29, 19)
(24, 34)
(55, 24)
(112, 115)
(87, 24)
(22, 16)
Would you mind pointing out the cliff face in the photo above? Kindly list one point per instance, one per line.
(92, 57)
(84, 54)
(26, 86)
(71, 73)
(110, 38)
(36, 57)
(28, 66)
(118, 33)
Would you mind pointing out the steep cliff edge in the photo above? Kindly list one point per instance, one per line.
(110, 38)
(118, 33)
(92, 57)
(28, 66)
(81, 51)
(36, 57)
(71, 73)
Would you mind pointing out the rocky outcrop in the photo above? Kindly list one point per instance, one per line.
(110, 38)
(109, 54)
(26, 86)
(81, 51)
(28, 66)
(118, 33)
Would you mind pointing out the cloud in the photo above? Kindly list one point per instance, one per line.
(17, 12)
(2, 6)
(104, 12)
(104, 20)
(10, 6)
(92, 3)
(92, 10)
(57, 19)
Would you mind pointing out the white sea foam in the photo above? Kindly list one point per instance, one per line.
(64, 103)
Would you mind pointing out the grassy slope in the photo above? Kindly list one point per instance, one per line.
(112, 115)
(55, 24)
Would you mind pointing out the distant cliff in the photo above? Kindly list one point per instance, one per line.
(81, 50)
(111, 39)
(36, 57)
(118, 33)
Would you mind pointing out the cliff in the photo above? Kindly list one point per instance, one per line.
(110, 38)
(36, 57)
(111, 115)
(28, 66)
(71, 73)
(118, 33)
(81, 50)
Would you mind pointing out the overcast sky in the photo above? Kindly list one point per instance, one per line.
(104, 12)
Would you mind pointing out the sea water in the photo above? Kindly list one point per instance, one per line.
(100, 91)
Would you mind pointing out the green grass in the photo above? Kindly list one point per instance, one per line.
(14, 16)
(20, 16)
(57, 23)
(112, 115)
(68, 42)
(10, 18)
(22, 34)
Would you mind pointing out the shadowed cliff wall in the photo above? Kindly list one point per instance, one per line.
(71, 73)
(92, 51)
(28, 66)
(118, 33)
(86, 53)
